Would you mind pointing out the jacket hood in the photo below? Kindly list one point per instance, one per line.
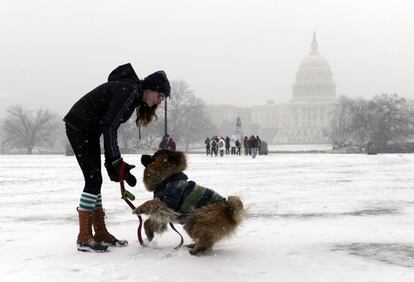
(124, 72)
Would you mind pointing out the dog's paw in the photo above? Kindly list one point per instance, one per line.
(199, 251)
(148, 207)
(139, 210)
(190, 246)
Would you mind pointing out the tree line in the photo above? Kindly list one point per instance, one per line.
(188, 122)
(383, 119)
(24, 130)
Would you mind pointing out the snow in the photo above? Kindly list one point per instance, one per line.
(280, 148)
(310, 217)
(299, 147)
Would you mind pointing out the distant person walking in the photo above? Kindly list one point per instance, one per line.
(227, 145)
(246, 145)
(233, 144)
(259, 144)
(207, 143)
(253, 146)
(238, 146)
(214, 146)
(164, 142)
(221, 146)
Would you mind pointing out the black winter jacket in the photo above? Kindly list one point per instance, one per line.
(102, 110)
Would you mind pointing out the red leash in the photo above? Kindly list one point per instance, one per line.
(131, 205)
(182, 239)
(124, 196)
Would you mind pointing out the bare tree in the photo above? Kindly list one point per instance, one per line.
(338, 132)
(130, 138)
(388, 119)
(196, 124)
(380, 120)
(187, 121)
(26, 128)
(408, 110)
(359, 128)
(150, 135)
(3, 143)
(126, 135)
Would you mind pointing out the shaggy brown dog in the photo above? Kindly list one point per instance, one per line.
(207, 217)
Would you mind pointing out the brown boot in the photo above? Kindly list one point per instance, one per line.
(101, 233)
(86, 242)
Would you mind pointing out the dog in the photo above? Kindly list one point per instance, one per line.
(206, 216)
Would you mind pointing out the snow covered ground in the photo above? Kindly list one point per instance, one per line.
(282, 148)
(311, 217)
(298, 147)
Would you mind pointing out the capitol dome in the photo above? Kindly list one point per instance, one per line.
(314, 82)
(314, 60)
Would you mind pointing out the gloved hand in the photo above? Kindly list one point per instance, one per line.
(114, 171)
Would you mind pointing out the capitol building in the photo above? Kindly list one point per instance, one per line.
(301, 121)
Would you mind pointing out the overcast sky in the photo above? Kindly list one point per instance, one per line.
(229, 51)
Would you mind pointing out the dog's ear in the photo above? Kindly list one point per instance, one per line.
(146, 160)
(174, 159)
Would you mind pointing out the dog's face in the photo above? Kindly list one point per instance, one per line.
(162, 165)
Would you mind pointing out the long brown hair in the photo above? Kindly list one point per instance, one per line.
(145, 114)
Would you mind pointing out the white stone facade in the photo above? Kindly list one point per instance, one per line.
(301, 121)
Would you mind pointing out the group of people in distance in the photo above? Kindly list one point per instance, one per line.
(232, 145)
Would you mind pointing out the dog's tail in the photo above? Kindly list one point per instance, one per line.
(236, 207)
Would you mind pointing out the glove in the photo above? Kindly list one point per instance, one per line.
(114, 172)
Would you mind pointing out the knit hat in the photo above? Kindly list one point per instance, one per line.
(157, 81)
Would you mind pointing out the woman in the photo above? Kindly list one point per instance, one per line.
(100, 112)
(221, 146)
(207, 142)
